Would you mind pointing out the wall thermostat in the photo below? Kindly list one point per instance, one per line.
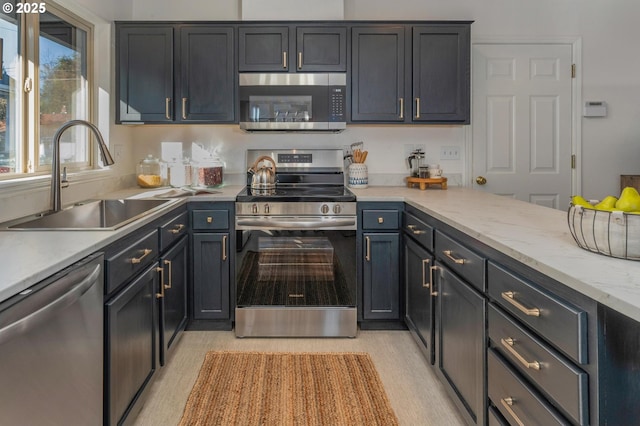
(595, 109)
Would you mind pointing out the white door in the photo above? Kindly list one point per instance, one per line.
(522, 125)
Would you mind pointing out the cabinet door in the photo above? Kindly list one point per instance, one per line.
(321, 49)
(263, 49)
(145, 74)
(130, 344)
(211, 276)
(381, 276)
(441, 73)
(173, 306)
(207, 74)
(378, 72)
(418, 290)
(461, 344)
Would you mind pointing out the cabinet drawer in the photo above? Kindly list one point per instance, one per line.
(419, 230)
(173, 230)
(128, 262)
(380, 219)
(210, 219)
(461, 260)
(555, 320)
(550, 371)
(527, 405)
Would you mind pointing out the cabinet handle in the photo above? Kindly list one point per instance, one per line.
(299, 60)
(145, 253)
(284, 60)
(507, 403)
(417, 107)
(167, 103)
(161, 294)
(415, 231)
(401, 108)
(184, 108)
(425, 284)
(510, 296)
(177, 229)
(508, 344)
(433, 283)
(168, 286)
(224, 247)
(449, 254)
(380, 220)
(209, 219)
(367, 255)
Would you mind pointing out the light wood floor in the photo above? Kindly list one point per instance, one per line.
(417, 397)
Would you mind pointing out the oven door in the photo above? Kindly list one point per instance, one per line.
(296, 282)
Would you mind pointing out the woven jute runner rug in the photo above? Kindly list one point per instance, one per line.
(258, 388)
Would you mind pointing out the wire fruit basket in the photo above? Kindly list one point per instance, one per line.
(615, 234)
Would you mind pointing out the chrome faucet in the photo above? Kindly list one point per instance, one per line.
(56, 184)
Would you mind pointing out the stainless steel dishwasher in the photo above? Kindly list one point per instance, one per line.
(51, 349)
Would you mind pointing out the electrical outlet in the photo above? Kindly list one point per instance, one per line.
(450, 153)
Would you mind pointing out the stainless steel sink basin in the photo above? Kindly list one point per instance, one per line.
(91, 215)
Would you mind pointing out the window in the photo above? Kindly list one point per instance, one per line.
(46, 81)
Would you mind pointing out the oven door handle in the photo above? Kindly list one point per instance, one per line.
(295, 222)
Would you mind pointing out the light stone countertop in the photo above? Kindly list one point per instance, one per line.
(536, 236)
(539, 237)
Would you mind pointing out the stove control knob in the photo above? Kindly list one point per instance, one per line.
(266, 208)
(324, 209)
(254, 209)
(337, 209)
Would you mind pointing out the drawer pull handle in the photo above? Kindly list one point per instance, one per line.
(367, 255)
(425, 262)
(145, 253)
(507, 403)
(168, 286)
(209, 219)
(224, 247)
(508, 343)
(449, 254)
(433, 283)
(176, 230)
(510, 296)
(161, 294)
(415, 231)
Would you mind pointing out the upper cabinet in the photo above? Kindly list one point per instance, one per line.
(441, 73)
(410, 73)
(175, 73)
(271, 49)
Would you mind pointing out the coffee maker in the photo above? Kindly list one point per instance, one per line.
(416, 161)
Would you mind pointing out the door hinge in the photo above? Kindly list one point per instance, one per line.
(573, 70)
(28, 85)
(573, 161)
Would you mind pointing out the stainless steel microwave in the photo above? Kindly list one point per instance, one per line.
(293, 102)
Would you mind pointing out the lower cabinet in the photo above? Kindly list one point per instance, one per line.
(211, 272)
(380, 276)
(460, 342)
(131, 345)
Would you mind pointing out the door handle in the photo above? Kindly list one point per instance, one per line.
(184, 108)
(417, 107)
(481, 180)
(433, 283)
(161, 294)
(168, 286)
(299, 60)
(401, 100)
(224, 247)
(367, 255)
(167, 112)
(284, 60)
(425, 262)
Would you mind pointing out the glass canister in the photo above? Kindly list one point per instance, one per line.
(180, 173)
(207, 173)
(152, 173)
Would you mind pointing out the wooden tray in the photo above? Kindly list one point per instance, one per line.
(424, 183)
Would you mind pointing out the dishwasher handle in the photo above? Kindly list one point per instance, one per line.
(72, 285)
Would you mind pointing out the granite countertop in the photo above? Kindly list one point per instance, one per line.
(536, 236)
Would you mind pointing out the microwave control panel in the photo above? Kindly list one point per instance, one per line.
(336, 103)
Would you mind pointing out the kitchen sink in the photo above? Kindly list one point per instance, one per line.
(97, 215)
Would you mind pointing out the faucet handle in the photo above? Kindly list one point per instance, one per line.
(64, 183)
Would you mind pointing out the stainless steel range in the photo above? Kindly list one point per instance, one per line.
(296, 273)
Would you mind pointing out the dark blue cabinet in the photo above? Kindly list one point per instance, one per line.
(381, 272)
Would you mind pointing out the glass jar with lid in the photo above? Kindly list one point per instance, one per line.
(207, 173)
(179, 173)
(151, 172)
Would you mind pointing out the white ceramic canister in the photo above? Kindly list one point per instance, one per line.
(358, 175)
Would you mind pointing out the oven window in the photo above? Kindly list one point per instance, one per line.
(296, 268)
